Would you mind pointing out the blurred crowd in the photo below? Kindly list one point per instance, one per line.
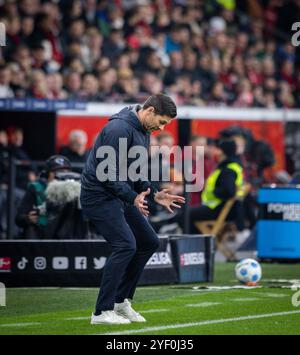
(217, 53)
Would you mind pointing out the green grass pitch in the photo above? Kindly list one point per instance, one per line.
(168, 309)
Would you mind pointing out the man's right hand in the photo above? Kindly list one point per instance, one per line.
(141, 204)
(33, 217)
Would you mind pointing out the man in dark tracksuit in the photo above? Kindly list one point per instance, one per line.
(118, 208)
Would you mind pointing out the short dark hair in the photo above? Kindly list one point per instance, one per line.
(162, 104)
(228, 147)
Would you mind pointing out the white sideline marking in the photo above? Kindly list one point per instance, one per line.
(245, 299)
(203, 304)
(154, 310)
(19, 324)
(77, 318)
(221, 288)
(208, 322)
(275, 295)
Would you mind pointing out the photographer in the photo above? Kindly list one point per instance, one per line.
(31, 215)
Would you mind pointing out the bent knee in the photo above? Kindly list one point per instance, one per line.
(130, 248)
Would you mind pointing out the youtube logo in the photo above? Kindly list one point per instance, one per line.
(5, 264)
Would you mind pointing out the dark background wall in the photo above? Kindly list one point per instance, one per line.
(39, 131)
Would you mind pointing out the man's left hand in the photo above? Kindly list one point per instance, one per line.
(167, 200)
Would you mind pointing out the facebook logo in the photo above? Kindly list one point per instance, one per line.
(80, 263)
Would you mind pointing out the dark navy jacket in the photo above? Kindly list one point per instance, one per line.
(124, 124)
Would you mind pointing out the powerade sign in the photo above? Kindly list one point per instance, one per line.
(278, 227)
(71, 263)
(280, 211)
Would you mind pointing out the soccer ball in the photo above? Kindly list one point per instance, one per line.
(248, 272)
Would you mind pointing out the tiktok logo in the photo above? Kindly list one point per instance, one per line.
(22, 263)
(296, 296)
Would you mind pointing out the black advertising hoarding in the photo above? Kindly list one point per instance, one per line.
(80, 263)
(71, 263)
(53, 263)
(193, 257)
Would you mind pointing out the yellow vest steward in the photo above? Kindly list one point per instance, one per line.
(227, 4)
(208, 197)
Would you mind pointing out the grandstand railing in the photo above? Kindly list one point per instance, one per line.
(197, 113)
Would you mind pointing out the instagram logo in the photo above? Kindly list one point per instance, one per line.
(40, 263)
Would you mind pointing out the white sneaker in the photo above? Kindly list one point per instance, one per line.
(109, 317)
(124, 309)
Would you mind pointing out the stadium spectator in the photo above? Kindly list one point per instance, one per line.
(151, 84)
(107, 83)
(3, 151)
(24, 174)
(72, 11)
(32, 214)
(175, 68)
(114, 44)
(39, 61)
(127, 86)
(255, 156)
(5, 81)
(76, 150)
(209, 162)
(27, 27)
(221, 185)
(18, 80)
(11, 143)
(22, 56)
(38, 87)
(89, 88)
(73, 84)
(3, 179)
(94, 42)
(162, 174)
(55, 86)
(46, 29)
